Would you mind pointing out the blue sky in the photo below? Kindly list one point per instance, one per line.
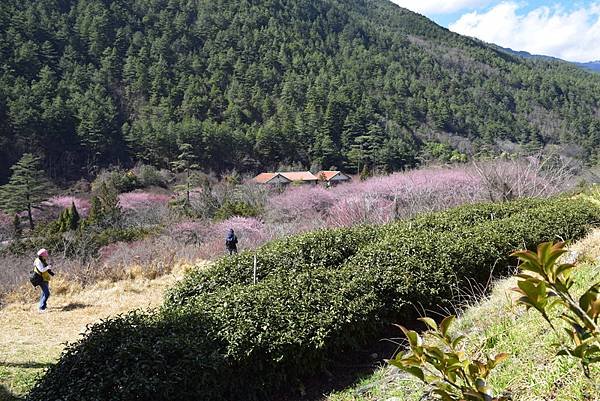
(566, 29)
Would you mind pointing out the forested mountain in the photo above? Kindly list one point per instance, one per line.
(251, 84)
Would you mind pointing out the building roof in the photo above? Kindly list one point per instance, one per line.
(264, 178)
(299, 176)
(329, 174)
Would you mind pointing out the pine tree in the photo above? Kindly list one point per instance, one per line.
(185, 163)
(27, 188)
(69, 219)
(108, 197)
(97, 115)
(95, 215)
(75, 218)
(365, 173)
(63, 220)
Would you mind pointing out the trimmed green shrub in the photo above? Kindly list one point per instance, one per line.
(330, 248)
(427, 267)
(218, 337)
(327, 249)
(232, 208)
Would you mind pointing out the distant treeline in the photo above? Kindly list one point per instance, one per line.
(254, 84)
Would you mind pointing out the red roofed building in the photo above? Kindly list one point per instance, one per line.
(284, 178)
(333, 177)
(300, 176)
(271, 178)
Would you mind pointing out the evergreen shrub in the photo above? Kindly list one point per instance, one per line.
(220, 337)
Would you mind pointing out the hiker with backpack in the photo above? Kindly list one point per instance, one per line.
(231, 242)
(41, 276)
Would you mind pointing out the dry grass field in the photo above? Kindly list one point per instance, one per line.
(30, 341)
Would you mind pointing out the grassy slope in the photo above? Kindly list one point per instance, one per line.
(533, 372)
(30, 341)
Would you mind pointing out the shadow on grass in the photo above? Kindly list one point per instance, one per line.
(6, 395)
(26, 365)
(347, 369)
(73, 306)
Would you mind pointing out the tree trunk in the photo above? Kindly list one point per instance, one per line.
(187, 194)
(29, 216)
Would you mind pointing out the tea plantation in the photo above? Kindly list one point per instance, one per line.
(218, 336)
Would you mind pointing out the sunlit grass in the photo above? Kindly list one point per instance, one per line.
(497, 324)
(30, 341)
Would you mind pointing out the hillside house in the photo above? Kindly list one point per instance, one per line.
(285, 178)
(331, 177)
(271, 179)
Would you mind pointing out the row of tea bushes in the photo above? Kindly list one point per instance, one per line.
(331, 248)
(218, 337)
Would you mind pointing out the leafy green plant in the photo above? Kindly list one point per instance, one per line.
(444, 366)
(546, 284)
(117, 179)
(232, 208)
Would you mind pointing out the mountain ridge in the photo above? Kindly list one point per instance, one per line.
(589, 66)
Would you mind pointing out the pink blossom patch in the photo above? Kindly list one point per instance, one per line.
(141, 200)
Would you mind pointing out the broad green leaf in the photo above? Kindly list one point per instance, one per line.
(530, 261)
(446, 323)
(564, 270)
(429, 322)
(499, 358)
(552, 254)
(413, 337)
(413, 370)
(435, 352)
(590, 301)
(457, 341)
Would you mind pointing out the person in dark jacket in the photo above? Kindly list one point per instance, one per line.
(231, 242)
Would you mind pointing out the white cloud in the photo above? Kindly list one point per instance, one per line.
(571, 35)
(440, 6)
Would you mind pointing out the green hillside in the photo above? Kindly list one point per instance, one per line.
(253, 84)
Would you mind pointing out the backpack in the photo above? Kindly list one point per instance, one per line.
(35, 278)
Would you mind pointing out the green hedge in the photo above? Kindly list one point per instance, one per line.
(219, 338)
(330, 248)
(428, 267)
